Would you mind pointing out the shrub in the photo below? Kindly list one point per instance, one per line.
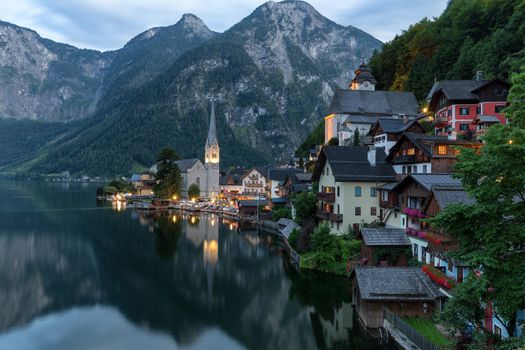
(293, 239)
(282, 212)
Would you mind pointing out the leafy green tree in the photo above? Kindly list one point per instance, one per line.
(491, 232)
(281, 212)
(169, 179)
(334, 141)
(305, 204)
(194, 191)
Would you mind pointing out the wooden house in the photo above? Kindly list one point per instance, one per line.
(406, 291)
(385, 246)
(386, 131)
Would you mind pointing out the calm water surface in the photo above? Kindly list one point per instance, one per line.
(77, 275)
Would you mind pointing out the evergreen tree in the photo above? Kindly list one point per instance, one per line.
(357, 138)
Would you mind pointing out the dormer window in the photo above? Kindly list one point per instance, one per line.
(411, 152)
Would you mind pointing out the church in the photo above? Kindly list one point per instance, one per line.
(361, 106)
(206, 175)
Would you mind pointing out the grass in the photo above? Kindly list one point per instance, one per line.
(427, 328)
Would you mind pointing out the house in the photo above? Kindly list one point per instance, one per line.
(254, 182)
(143, 184)
(348, 177)
(421, 153)
(406, 291)
(455, 104)
(277, 177)
(386, 132)
(296, 183)
(359, 107)
(251, 207)
(384, 246)
(230, 184)
(420, 196)
(483, 122)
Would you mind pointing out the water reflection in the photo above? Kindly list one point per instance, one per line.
(168, 280)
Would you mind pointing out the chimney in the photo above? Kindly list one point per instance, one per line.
(479, 76)
(405, 119)
(372, 152)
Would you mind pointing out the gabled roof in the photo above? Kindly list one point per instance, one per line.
(350, 163)
(425, 142)
(463, 90)
(280, 174)
(432, 181)
(446, 197)
(385, 237)
(395, 126)
(373, 102)
(186, 164)
(395, 284)
(486, 119)
(261, 170)
(225, 179)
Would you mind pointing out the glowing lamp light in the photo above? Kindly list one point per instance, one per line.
(193, 200)
(174, 197)
(192, 219)
(174, 219)
(425, 109)
(511, 142)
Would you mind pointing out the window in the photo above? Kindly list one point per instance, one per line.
(414, 169)
(464, 111)
(449, 113)
(497, 331)
(442, 150)
(357, 211)
(424, 169)
(327, 171)
(411, 152)
(450, 267)
(358, 191)
(403, 222)
(338, 191)
(373, 192)
(373, 211)
(198, 180)
(478, 110)
(415, 248)
(499, 108)
(338, 209)
(404, 169)
(463, 127)
(384, 196)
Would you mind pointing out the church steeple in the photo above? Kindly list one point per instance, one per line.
(363, 79)
(211, 152)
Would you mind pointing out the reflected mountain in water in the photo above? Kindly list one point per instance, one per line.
(65, 260)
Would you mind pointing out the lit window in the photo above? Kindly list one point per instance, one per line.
(442, 149)
(411, 151)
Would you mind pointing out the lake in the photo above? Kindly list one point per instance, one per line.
(80, 275)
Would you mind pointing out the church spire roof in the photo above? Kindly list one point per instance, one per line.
(212, 132)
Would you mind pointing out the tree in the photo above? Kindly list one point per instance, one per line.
(194, 191)
(305, 204)
(491, 232)
(281, 212)
(357, 138)
(334, 141)
(169, 179)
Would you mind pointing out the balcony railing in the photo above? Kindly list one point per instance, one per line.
(328, 197)
(321, 214)
(416, 213)
(404, 159)
(441, 120)
(389, 205)
(325, 215)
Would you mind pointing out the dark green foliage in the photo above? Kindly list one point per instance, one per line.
(470, 35)
(305, 204)
(281, 212)
(194, 191)
(316, 137)
(391, 254)
(293, 238)
(334, 141)
(119, 185)
(168, 174)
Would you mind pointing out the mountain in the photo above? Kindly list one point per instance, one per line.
(469, 36)
(271, 76)
(44, 80)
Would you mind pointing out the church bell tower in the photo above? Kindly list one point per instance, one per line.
(212, 157)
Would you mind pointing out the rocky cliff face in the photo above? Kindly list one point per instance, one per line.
(44, 80)
(271, 75)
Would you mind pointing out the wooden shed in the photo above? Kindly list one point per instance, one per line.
(385, 246)
(406, 291)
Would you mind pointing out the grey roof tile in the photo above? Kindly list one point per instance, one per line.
(385, 237)
(373, 102)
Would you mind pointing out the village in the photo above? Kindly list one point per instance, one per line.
(386, 168)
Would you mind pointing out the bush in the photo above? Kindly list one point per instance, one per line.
(304, 239)
(282, 212)
(305, 204)
(322, 240)
(293, 239)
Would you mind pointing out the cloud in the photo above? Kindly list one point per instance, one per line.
(109, 24)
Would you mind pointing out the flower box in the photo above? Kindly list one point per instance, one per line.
(435, 239)
(438, 276)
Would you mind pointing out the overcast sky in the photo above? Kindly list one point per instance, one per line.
(109, 24)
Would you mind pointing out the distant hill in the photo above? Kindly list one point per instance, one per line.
(271, 76)
(470, 35)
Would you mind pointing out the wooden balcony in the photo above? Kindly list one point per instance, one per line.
(328, 197)
(440, 121)
(325, 215)
(404, 159)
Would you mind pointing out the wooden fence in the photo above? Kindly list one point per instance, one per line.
(414, 336)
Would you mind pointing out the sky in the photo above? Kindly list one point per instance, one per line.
(109, 24)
